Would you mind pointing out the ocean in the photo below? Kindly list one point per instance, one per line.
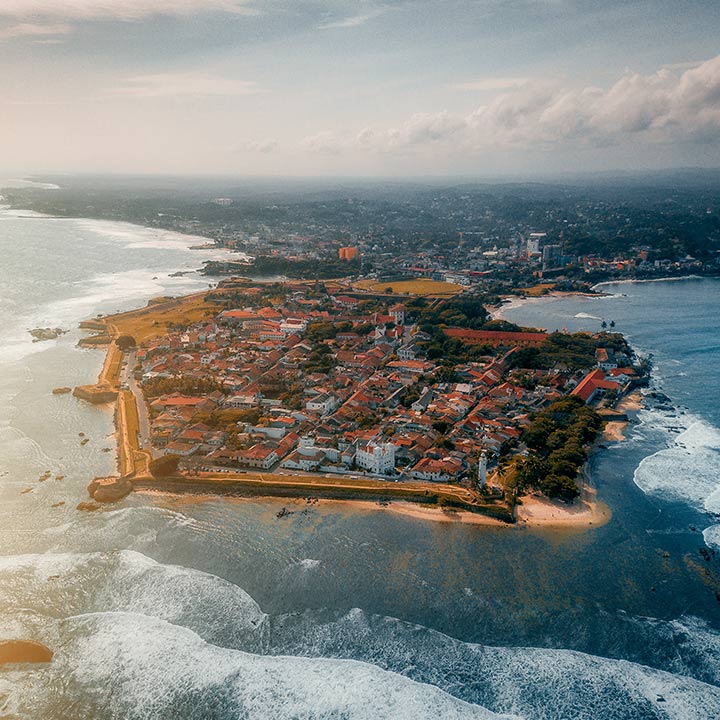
(175, 607)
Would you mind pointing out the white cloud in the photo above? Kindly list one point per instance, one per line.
(355, 20)
(491, 83)
(325, 143)
(666, 106)
(36, 30)
(115, 9)
(259, 146)
(198, 85)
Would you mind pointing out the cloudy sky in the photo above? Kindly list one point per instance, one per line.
(358, 87)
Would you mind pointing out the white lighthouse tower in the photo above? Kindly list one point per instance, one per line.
(482, 470)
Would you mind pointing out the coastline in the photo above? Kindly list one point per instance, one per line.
(517, 301)
(615, 429)
(426, 501)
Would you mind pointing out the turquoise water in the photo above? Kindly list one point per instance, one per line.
(171, 607)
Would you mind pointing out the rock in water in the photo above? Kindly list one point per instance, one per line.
(88, 506)
(110, 489)
(40, 334)
(61, 390)
(24, 651)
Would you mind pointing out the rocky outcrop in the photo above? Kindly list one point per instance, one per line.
(24, 651)
(96, 394)
(109, 489)
(88, 506)
(61, 390)
(40, 334)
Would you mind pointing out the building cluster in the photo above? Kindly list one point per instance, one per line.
(359, 398)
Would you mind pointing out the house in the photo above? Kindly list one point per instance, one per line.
(398, 314)
(323, 404)
(442, 470)
(260, 456)
(593, 385)
(605, 359)
(378, 458)
(408, 352)
(305, 458)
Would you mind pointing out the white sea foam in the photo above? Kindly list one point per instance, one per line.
(64, 584)
(690, 468)
(587, 316)
(138, 237)
(30, 183)
(308, 564)
(543, 684)
(711, 535)
(121, 665)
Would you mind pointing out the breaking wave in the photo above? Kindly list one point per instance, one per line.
(60, 585)
(690, 468)
(136, 639)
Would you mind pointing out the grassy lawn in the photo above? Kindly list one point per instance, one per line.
(538, 290)
(151, 322)
(421, 286)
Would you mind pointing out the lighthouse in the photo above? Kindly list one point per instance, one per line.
(482, 471)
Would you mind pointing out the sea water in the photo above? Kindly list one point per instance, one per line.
(177, 607)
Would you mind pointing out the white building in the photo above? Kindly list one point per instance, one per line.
(482, 471)
(322, 404)
(398, 314)
(407, 352)
(304, 458)
(378, 458)
(533, 243)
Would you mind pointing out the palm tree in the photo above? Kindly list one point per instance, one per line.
(603, 325)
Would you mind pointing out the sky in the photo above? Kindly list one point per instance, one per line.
(358, 87)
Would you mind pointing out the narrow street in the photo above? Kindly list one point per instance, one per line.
(128, 381)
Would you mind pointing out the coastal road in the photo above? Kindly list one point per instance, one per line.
(127, 379)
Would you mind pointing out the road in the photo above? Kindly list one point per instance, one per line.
(127, 379)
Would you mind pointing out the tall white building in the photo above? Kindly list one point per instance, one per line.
(533, 243)
(482, 471)
(378, 458)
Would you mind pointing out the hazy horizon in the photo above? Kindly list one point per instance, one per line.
(373, 88)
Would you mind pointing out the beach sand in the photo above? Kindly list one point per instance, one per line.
(535, 511)
(615, 431)
(586, 512)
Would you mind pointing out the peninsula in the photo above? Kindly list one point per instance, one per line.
(350, 392)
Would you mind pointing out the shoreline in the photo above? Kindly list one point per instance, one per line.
(517, 301)
(540, 512)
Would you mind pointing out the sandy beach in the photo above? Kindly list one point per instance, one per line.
(584, 513)
(535, 511)
(615, 430)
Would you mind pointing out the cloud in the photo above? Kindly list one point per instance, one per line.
(491, 83)
(37, 30)
(197, 85)
(259, 146)
(325, 143)
(355, 20)
(116, 9)
(664, 107)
